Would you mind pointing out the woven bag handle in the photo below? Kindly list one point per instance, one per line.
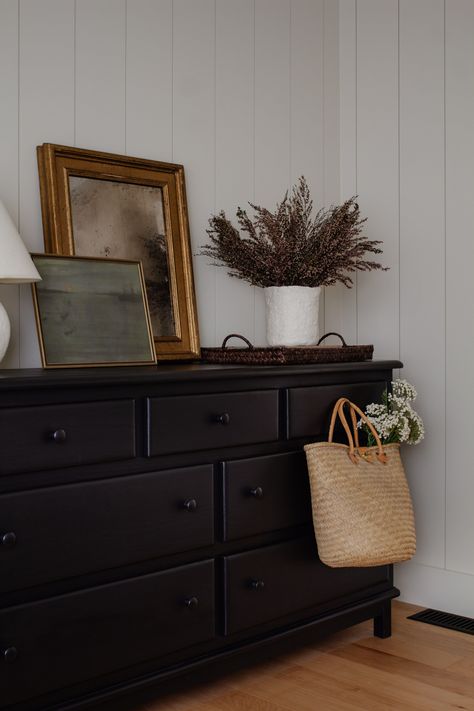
(354, 435)
(355, 429)
(364, 452)
(335, 412)
(354, 409)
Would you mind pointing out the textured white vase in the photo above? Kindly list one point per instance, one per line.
(292, 315)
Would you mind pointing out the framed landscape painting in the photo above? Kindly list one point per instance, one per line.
(115, 207)
(91, 312)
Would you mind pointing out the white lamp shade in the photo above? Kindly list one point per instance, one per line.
(16, 265)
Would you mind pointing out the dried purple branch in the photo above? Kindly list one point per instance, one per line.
(290, 248)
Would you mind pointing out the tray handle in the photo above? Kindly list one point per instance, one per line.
(332, 333)
(236, 335)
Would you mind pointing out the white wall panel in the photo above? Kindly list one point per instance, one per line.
(459, 285)
(9, 294)
(307, 111)
(194, 137)
(234, 150)
(46, 100)
(437, 588)
(422, 292)
(422, 52)
(409, 153)
(331, 103)
(272, 116)
(233, 89)
(333, 299)
(341, 303)
(348, 97)
(149, 79)
(100, 74)
(307, 84)
(377, 168)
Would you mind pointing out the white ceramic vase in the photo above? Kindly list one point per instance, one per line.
(292, 315)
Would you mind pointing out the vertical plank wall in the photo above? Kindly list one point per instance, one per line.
(459, 289)
(242, 92)
(9, 168)
(374, 97)
(45, 113)
(406, 117)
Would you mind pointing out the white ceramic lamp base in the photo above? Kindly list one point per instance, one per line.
(292, 315)
(4, 331)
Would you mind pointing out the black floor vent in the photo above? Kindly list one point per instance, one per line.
(445, 619)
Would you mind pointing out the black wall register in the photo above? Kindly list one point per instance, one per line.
(153, 519)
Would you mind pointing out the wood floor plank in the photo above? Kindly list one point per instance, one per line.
(464, 668)
(455, 643)
(241, 701)
(408, 692)
(183, 703)
(401, 646)
(346, 693)
(295, 696)
(420, 668)
(418, 671)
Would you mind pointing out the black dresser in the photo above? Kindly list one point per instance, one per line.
(155, 519)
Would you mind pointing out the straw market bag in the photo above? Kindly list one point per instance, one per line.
(362, 510)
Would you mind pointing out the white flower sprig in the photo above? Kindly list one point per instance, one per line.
(394, 418)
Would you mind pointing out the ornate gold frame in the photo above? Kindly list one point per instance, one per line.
(56, 163)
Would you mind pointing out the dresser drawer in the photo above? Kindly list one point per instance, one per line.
(309, 409)
(265, 494)
(55, 436)
(278, 580)
(196, 422)
(86, 634)
(63, 531)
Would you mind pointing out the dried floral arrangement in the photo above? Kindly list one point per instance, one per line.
(394, 418)
(289, 247)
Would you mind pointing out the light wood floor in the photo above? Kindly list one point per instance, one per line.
(420, 668)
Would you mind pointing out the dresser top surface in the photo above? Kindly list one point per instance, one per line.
(167, 373)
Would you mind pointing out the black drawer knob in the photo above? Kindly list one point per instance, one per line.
(59, 436)
(8, 540)
(223, 419)
(9, 655)
(190, 505)
(191, 602)
(257, 492)
(257, 584)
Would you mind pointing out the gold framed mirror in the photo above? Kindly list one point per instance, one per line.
(105, 205)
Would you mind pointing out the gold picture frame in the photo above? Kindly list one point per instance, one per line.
(97, 204)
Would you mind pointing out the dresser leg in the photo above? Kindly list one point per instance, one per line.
(383, 621)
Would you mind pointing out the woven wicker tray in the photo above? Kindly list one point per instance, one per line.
(285, 356)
